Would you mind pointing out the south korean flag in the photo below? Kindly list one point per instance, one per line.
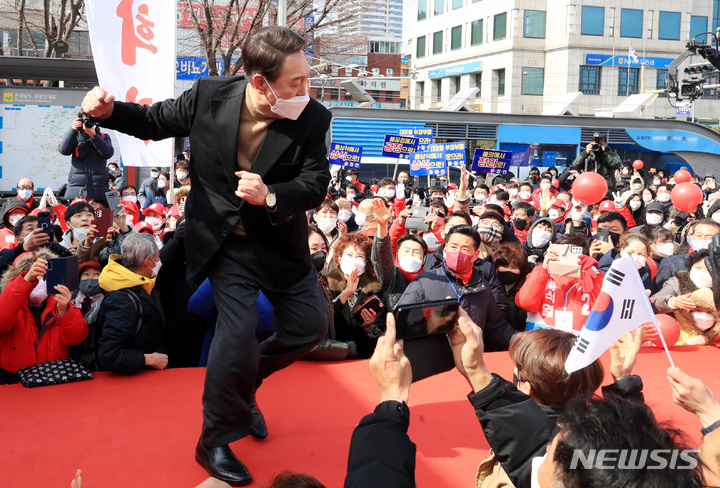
(620, 308)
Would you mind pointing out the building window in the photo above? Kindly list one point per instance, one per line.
(422, 9)
(534, 24)
(457, 4)
(437, 42)
(500, 82)
(437, 87)
(589, 80)
(631, 22)
(500, 26)
(439, 7)
(593, 21)
(669, 25)
(698, 25)
(389, 72)
(456, 37)
(421, 47)
(631, 86)
(532, 82)
(478, 84)
(476, 32)
(421, 91)
(457, 84)
(661, 82)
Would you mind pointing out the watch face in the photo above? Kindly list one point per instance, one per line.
(270, 200)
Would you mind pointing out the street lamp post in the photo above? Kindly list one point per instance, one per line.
(522, 92)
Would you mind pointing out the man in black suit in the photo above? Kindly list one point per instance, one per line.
(259, 163)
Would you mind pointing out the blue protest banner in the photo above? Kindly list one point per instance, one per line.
(428, 162)
(399, 146)
(424, 135)
(345, 155)
(455, 154)
(491, 161)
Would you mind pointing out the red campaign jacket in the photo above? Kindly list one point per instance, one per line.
(7, 239)
(19, 334)
(542, 295)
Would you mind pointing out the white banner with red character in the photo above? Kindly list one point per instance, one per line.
(133, 44)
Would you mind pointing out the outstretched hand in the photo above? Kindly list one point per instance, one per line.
(694, 396)
(467, 346)
(390, 366)
(623, 354)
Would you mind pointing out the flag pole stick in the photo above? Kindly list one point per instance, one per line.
(662, 339)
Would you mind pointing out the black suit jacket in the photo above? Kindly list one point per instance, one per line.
(292, 159)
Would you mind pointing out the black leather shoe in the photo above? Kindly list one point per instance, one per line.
(221, 463)
(258, 428)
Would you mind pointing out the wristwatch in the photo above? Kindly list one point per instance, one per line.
(270, 199)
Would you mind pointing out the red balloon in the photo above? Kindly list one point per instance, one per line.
(638, 164)
(682, 176)
(670, 330)
(589, 188)
(686, 197)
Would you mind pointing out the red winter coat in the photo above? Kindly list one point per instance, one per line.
(542, 295)
(22, 343)
(7, 239)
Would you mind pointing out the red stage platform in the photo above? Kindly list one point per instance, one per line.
(141, 431)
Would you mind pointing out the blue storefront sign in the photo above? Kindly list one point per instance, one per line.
(491, 161)
(623, 60)
(194, 67)
(399, 146)
(345, 155)
(458, 69)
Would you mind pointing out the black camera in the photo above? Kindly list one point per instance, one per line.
(596, 147)
(90, 122)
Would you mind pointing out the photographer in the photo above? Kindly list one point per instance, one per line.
(90, 149)
(598, 157)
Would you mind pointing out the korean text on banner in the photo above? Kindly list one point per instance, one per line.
(133, 43)
(430, 162)
(344, 155)
(491, 161)
(399, 146)
(424, 135)
(455, 154)
(621, 306)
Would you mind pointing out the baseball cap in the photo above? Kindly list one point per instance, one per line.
(158, 208)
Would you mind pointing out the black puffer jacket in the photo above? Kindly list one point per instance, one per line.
(89, 158)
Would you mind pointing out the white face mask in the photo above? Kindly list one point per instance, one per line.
(327, 224)
(646, 197)
(181, 175)
(702, 279)
(539, 238)
(639, 260)
(666, 249)
(155, 222)
(80, 233)
(553, 214)
(130, 198)
(656, 182)
(360, 218)
(410, 264)
(513, 192)
(389, 193)
(347, 265)
(716, 217)
(344, 214)
(162, 184)
(156, 268)
(700, 245)
(13, 219)
(525, 195)
(350, 197)
(480, 197)
(663, 197)
(544, 186)
(129, 219)
(39, 293)
(635, 205)
(703, 320)
(431, 240)
(154, 174)
(637, 186)
(25, 194)
(288, 108)
(653, 218)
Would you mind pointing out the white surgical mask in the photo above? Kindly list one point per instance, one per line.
(716, 217)
(360, 218)
(39, 293)
(703, 320)
(663, 197)
(635, 205)
(637, 186)
(351, 197)
(25, 194)
(544, 186)
(639, 260)
(389, 193)
(130, 198)
(666, 249)
(700, 245)
(553, 214)
(525, 195)
(80, 233)
(154, 174)
(479, 197)
(162, 184)
(410, 264)
(347, 265)
(656, 182)
(288, 108)
(13, 219)
(431, 240)
(327, 224)
(702, 279)
(653, 218)
(155, 222)
(646, 197)
(181, 175)
(156, 268)
(539, 238)
(344, 214)
(513, 192)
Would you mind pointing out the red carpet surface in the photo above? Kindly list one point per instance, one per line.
(141, 431)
